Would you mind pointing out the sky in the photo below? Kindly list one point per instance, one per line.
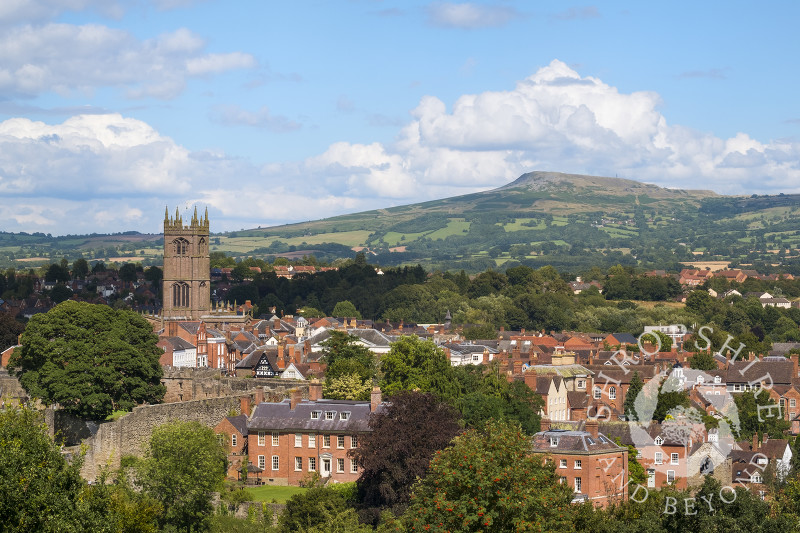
(272, 112)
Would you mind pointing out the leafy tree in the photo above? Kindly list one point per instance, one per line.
(413, 363)
(10, 329)
(40, 489)
(485, 331)
(154, 275)
(344, 355)
(630, 397)
(80, 268)
(91, 359)
(127, 272)
(665, 341)
(347, 387)
(346, 309)
(667, 401)
(57, 273)
(758, 413)
(405, 435)
(489, 481)
(703, 361)
(184, 465)
(311, 509)
(311, 312)
(60, 293)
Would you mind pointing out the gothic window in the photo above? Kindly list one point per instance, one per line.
(201, 246)
(180, 295)
(180, 246)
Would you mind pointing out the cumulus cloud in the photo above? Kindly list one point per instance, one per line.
(65, 58)
(469, 15)
(112, 173)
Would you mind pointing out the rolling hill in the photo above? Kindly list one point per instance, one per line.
(567, 220)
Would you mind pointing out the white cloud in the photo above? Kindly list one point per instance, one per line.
(112, 173)
(66, 58)
(469, 15)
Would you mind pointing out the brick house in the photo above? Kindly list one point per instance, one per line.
(294, 439)
(233, 430)
(587, 461)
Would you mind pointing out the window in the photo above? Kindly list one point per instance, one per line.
(344, 415)
(597, 393)
(261, 462)
(553, 442)
(298, 440)
(353, 441)
(659, 458)
(792, 402)
(670, 476)
(717, 379)
(275, 439)
(180, 295)
(756, 477)
(577, 464)
(353, 466)
(298, 463)
(562, 463)
(262, 438)
(737, 387)
(658, 441)
(234, 440)
(180, 246)
(581, 383)
(562, 479)
(612, 393)
(312, 464)
(673, 458)
(340, 441)
(577, 484)
(340, 465)
(782, 403)
(329, 415)
(312, 441)
(326, 441)
(314, 415)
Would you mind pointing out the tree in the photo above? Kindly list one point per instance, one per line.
(630, 396)
(154, 275)
(60, 293)
(344, 355)
(91, 359)
(347, 387)
(346, 309)
(413, 363)
(40, 488)
(10, 329)
(703, 361)
(663, 343)
(80, 268)
(127, 272)
(57, 273)
(184, 465)
(488, 480)
(758, 413)
(404, 437)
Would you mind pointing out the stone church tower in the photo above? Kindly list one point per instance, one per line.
(187, 283)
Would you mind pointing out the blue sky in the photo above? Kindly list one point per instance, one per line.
(276, 112)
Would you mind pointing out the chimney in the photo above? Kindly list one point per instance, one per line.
(244, 405)
(374, 399)
(315, 390)
(591, 357)
(545, 424)
(295, 398)
(795, 358)
(592, 427)
(754, 446)
(259, 395)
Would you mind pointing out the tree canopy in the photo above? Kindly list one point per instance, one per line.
(90, 359)
(404, 437)
(185, 464)
(489, 481)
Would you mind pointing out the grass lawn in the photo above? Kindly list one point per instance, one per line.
(266, 493)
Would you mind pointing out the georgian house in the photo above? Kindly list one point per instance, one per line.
(295, 439)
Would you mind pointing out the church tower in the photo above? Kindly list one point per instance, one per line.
(187, 283)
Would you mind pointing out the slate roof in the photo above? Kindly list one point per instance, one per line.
(566, 371)
(279, 417)
(572, 442)
(255, 356)
(750, 371)
(179, 344)
(191, 327)
(625, 338)
(239, 422)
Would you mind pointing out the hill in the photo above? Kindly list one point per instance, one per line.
(567, 220)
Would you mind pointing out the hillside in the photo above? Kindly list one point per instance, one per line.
(570, 221)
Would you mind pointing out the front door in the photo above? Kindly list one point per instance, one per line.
(326, 468)
(651, 478)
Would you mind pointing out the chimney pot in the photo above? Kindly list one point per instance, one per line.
(375, 399)
(592, 427)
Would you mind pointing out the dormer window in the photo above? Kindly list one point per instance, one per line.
(659, 441)
(329, 415)
(344, 415)
(717, 379)
(315, 415)
(553, 442)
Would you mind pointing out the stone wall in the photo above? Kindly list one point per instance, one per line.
(129, 434)
(186, 384)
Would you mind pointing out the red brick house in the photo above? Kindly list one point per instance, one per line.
(294, 439)
(587, 461)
